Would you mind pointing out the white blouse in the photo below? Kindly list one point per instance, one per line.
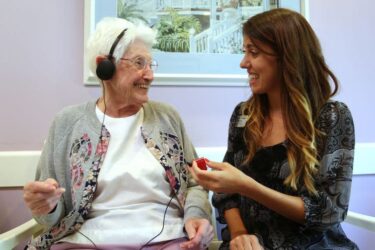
(132, 192)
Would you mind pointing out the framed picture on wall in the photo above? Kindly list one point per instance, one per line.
(199, 42)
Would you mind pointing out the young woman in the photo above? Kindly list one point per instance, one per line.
(286, 177)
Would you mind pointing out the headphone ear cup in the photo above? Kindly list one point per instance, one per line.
(105, 69)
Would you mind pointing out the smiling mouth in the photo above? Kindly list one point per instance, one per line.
(253, 76)
(142, 86)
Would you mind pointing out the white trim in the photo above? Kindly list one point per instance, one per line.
(230, 80)
(361, 220)
(306, 9)
(202, 79)
(89, 25)
(19, 167)
(364, 159)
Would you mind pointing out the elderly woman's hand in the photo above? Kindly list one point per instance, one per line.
(200, 233)
(41, 197)
(225, 178)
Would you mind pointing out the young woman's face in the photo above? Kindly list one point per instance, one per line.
(262, 67)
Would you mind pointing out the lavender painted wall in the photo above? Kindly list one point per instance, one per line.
(41, 71)
(345, 29)
(41, 48)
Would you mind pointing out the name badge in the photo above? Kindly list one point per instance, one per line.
(241, 122)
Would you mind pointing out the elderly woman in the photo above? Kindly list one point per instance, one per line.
(113, 172)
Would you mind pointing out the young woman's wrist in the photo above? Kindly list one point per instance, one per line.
(238, 233)
(247, 186)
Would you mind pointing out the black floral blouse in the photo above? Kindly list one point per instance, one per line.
(323, 214)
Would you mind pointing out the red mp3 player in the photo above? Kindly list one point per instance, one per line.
(201, 163)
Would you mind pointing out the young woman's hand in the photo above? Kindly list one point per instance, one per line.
(245, 242)
(225, 178)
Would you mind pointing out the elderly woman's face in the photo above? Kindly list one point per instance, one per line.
(133, 75)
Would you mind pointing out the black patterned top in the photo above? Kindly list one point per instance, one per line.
(323, 214)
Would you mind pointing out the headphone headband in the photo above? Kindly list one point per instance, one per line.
(118, 38)
(107, 67)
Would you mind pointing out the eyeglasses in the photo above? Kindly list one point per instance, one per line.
(141, 63)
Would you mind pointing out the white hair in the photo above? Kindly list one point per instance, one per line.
(105, 34)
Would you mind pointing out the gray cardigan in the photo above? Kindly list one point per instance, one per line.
(74, 152)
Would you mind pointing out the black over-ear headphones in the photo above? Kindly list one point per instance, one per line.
(107, 67)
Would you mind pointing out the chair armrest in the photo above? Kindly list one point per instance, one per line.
(361, 220)
(17, 235)
(214, 245)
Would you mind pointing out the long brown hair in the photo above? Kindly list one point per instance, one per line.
(305, 87)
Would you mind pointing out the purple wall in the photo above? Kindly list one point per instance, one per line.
(41, 48)
(346, 32)
(41, 71)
